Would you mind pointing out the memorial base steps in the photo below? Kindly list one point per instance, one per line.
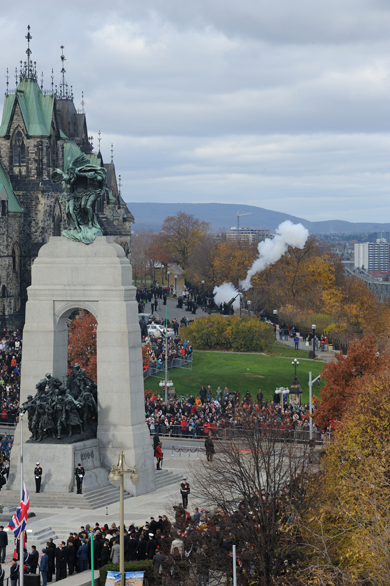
(167, 477)
(93, 499)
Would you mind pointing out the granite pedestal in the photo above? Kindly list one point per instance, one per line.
(66, 276)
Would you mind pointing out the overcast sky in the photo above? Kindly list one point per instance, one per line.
(280, 104)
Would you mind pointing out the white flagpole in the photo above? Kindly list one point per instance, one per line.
(21, 537)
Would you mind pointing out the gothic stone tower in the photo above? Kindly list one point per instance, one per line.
(40, 131)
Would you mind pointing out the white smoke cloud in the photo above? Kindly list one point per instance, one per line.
(225, 293)
(286, 234)
(270, 250)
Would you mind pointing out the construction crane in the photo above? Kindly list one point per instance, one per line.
(238, 216)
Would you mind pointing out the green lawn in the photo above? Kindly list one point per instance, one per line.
(281, 349)
(243, 372)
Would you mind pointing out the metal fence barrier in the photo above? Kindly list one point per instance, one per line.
(282, 435)
(173, 363)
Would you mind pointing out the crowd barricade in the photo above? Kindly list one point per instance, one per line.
(172, 363)
(188, 451)
(236, 431)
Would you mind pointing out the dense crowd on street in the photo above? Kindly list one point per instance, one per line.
(223, 412)
(192, 543)
(177, 348)
(10, 363)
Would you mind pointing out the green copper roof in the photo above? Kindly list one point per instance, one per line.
(95, 159)
(71, 151)
(7, 111)
(36, 108)
(13, 204)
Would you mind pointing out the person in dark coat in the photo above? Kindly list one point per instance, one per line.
(71, 557)
(151, 547)
(210, 450)
(50, 552)
(82, 556)
(141, 549)
(60, 555)
(105, 554)
(14, 573)
(156, 441)
(131, 549)
(3, 544)
(33, 559)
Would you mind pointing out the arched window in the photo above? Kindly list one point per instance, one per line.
(57, 219)
(4, 291)
(19, 150)
(15, 257)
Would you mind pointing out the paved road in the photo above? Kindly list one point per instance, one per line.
(174, 312)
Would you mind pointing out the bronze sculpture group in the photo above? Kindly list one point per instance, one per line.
(69, 407)
(83, 184)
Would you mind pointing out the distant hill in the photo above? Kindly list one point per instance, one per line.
(150, 216)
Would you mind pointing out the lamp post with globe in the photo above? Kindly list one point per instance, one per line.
(116, 477)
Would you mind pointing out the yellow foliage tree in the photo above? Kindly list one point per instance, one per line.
(347, 527)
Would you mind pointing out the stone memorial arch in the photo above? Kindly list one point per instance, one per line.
(69, 275)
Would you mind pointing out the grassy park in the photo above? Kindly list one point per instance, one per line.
(238, 371)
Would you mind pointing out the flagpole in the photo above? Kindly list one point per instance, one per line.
(21, 537)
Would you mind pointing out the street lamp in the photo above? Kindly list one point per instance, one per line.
(249, 305)
(116, 478)
(176, 284)
(295, 389)
(202, 281)
(313, 327)
(162, 274)
(168, 273)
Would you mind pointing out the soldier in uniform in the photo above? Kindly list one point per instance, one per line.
(38, 477)
(185, 491)
(79, 473)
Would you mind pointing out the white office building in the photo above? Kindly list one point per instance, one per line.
(249, 234)
(373, 257)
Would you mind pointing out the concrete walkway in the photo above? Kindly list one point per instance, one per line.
(323, 356)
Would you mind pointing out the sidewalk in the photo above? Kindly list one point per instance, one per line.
(325, 356)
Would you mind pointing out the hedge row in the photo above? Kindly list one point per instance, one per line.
(238, 334)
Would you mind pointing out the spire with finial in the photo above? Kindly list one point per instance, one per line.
(42, 81)
(120, 184)
(90, 138)
(28, 52)
(16, 77)
(112, 153)
(28, 69)
(63, 70)
(99, 139)
(52, 81)
(7, 84)
(82, 103)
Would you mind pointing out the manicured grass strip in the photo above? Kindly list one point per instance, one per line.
(243, 372)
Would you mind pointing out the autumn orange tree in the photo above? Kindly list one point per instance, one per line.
(82, 343)
(347, 524)
(344, 377)
(220, 261)
(180, 235)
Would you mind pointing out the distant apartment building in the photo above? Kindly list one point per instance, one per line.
(249, 234)
(373, 257)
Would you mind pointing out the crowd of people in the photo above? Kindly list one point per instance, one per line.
(192, 544)
(10, 364)
(223, 412)
(152, 295)
(176, 348)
